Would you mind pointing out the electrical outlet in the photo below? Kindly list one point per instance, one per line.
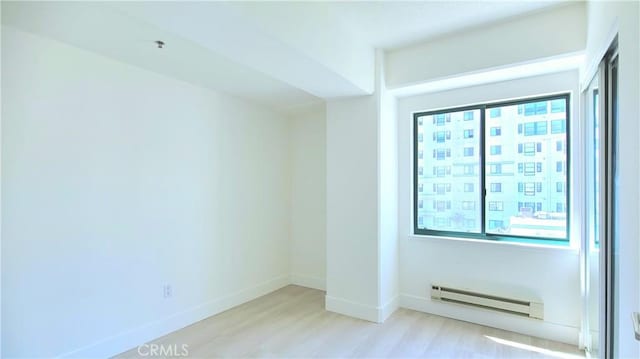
(167, 291)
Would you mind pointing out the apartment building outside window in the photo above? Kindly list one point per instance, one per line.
(507, 170)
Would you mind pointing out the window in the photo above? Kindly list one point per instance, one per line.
(468, 133)
(530, 189)
(496, 205)
(535, 128)
(558, 126)
(441, 153)
(468, 169)
(535, 108)
(558, 106)
(468, 205)
(530, 149)
(468, 151)
(529, 169)
(516, 170)
(441, 171)
(441, 188)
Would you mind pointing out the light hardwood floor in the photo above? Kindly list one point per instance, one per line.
(292, 323)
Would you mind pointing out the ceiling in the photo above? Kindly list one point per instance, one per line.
(280, 54)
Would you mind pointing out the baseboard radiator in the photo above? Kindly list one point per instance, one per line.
(509, 305)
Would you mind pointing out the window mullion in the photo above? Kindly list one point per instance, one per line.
(483, 186)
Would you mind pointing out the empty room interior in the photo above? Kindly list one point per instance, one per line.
(367, 179)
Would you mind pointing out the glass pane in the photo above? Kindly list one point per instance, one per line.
(596, 167)
(448, 172)
(529, 169)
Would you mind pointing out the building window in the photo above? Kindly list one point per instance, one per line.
(468, 151)
(529, 189)
(468, 170)
(558, 106)
(535, 128)
(468, 133)
(526, 163)
(529, 169)
(530, 149)
(535, 108)
(468, 205)
(558, 126)
(441, 188)
(496, 206)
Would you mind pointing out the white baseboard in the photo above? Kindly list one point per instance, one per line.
(527, 326)
(129, 339)
(386, 310)
(361, 311)
(309, 281)
(351, 309)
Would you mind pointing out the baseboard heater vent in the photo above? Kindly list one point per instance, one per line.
(487, 301)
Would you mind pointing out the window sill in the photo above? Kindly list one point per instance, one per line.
(537, 246)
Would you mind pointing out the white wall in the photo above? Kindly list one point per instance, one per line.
(308, 198)
(605, 18)
(352, 207)
(116, 181)
(362, 244)
(545, 34)
(388, 249)
(551, 275)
